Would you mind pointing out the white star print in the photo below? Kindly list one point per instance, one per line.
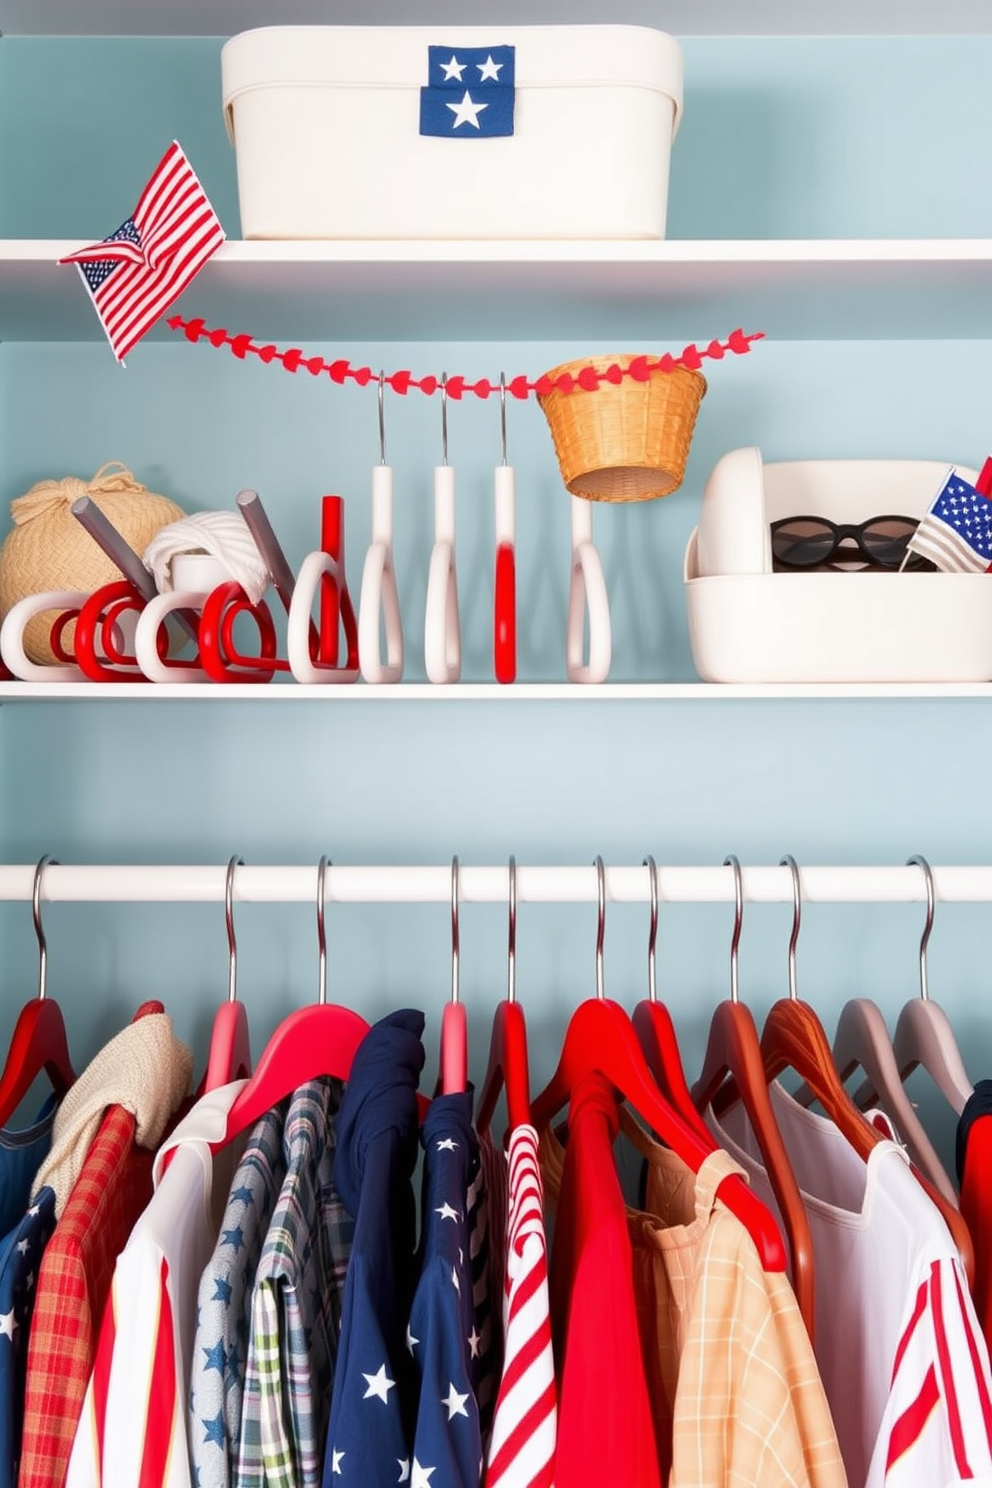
(421, 1475)
(454, 1402)
(8, 1324)
(473, 1341)
(446, 1212)
(378, 1385)
(336, 1462)
(489, 69)
(410, 1340)
(456, 1283)
(404, 1463)
(35, 1210)
(447, 1144)
(465, 112)
(24, 1246)
(453, 69)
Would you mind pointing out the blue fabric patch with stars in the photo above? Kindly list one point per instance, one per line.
(470, 92)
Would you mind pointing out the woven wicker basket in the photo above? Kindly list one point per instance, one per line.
(625, 441)
(48, 549)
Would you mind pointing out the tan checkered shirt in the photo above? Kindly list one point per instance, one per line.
(729, 1363)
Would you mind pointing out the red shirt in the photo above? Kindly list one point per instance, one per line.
(605, 1433)
(974, 1167)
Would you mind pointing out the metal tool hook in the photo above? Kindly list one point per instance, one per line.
(232, 944)
(601, 924)
(382, 418)
(322, 867)
(39, 872)
(502, 415)
(921, 862)
(732, 861)
(454, 929)
(652, 867)
(444, 418)
(511, 964)
(797, 911)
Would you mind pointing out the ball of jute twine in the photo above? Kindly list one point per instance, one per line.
(49, 549)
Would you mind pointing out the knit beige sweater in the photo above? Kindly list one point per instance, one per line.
(146, 1070)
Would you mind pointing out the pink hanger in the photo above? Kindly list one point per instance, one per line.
(230, 1044)
(454, 1033)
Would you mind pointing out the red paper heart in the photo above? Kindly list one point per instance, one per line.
(519, 387)
(315, 366)
(363, 376)
(339, 371)
(267, 353)
(428, 385)
(292, 358)
(691, 358)
(400, 382)
(639, 369)
(217, 337)
(614, 374)
(589, 379)
(543, 386)
(482, 388)
(240, 346)
(194, 329)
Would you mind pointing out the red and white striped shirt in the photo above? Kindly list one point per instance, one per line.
(522, 1446)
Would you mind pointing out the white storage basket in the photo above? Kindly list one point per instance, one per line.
(326, 122)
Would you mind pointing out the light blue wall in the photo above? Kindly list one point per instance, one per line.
(780, 138)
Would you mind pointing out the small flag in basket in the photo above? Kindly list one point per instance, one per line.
(956, 533)
(135, 274)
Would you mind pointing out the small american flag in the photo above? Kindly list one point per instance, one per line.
(956, 532)
(136, 273)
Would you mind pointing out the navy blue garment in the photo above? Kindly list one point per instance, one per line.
(373, 1402)
(447, 1441)
(20, 1256)
(21, 1155)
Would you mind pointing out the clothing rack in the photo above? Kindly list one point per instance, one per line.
(429, 884)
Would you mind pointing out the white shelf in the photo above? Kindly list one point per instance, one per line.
(484, 692)
(681, 17)
(638, 292)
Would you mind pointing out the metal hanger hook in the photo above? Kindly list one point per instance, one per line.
(39, 872)
(797, 911)
(382, 418)
(652, 867)
(732, 861)
(444, 418)
(601, 924)
(511, 963)
(502, 414)
(454, 929)
(232, 944)
(921, 862)
(322, 868)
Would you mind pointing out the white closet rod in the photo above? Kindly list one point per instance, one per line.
(353, 884)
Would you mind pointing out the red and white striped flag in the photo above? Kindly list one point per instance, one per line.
(135, 275)
(522, 1446)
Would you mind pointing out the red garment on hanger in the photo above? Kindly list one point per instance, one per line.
(604, 1414)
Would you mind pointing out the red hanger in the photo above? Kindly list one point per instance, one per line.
(230, 1043)
(735, 1050)
(601, 1038)
(454, 1031)
(508, 1065)
(39, 1040)
(314, 1041)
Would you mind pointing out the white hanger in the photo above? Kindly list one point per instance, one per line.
(587, 594)
(304, 592)
(442, 627)
(379, 595)
(194, 576)
(12, 635)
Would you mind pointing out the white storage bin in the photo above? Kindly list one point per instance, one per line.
(326, 124)
(748, 624)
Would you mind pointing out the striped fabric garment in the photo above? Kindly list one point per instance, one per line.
(522, 1448)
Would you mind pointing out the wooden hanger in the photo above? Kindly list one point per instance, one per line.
(508, 1066)
(318, 1040)
(454, 1030)
(39, 1042)
(230, 1043)
(600, 1039)
(734, 1050)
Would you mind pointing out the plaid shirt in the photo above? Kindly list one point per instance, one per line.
(73, 1284)
(296, 1306)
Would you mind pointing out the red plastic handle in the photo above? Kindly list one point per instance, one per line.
(96, 632)
(221, 661)
(505, 615)
(336, 608)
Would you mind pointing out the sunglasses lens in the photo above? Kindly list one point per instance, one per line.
(885, 540)
(802, 542)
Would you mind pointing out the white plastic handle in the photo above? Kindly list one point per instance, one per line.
(379, 594)
(152, 617)
(505, 499)
(12, 635)
(587, 594)
(442, 626)
(303, 668)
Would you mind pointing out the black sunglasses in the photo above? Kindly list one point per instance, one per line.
(816, 542)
